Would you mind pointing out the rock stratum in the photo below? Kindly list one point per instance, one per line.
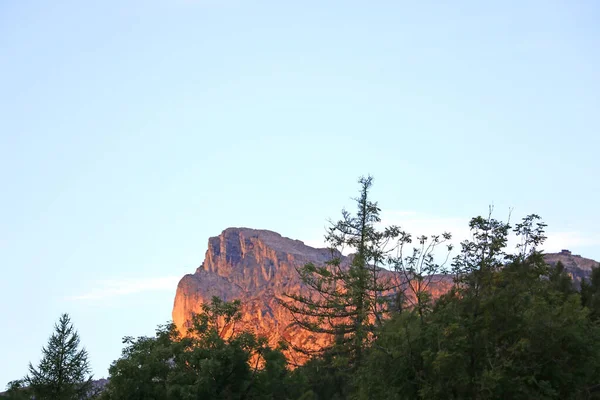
(258, 267)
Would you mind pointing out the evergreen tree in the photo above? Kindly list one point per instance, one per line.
(349, 301)
(590, 293)
(64, 371)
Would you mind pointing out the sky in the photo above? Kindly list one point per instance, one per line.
(132, 131)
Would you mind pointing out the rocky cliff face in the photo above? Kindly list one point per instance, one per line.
(258, 267)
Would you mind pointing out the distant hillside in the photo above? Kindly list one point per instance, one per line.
(577, 266)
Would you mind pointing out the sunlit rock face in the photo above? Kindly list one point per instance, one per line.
(258, 267)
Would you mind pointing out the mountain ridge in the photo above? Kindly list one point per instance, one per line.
(258, 267)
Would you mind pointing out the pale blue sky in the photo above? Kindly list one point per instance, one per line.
(131, 131)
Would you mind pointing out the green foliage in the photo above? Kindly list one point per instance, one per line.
(590, 294)
(561, 280)
(321, 378)
(212, 362)
(142, 370)
(16, 390)
(347, 301)
(511, 328)
(64, 371)
(418, 269)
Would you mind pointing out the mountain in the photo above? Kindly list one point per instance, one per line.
(258, 267)
(578, 267)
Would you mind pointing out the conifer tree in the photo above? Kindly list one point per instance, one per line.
(349, 301)
(64, 371)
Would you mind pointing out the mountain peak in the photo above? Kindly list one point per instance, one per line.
(258, 267)
(237, 243)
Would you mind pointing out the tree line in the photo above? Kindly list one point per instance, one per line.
(510, 327)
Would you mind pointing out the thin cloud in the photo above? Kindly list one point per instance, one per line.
(569, 240)
(419, 224)
(113, 288)
(416, 224)
(412, 222)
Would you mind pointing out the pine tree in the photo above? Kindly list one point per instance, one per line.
(349, 301)
(64, 371)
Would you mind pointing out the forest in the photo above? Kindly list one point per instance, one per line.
(510, 327)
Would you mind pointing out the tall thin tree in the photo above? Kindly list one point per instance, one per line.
(349, 296)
